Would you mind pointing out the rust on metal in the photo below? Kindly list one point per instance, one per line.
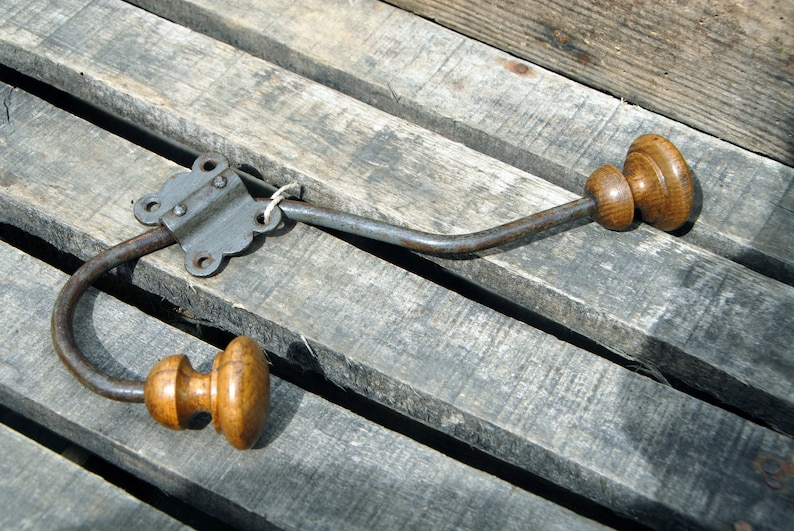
(776, 473)
(63, 314)
(438, 244)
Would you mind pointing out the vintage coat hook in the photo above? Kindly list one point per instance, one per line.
(211, 214)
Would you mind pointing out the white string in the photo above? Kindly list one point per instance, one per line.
(279, 196)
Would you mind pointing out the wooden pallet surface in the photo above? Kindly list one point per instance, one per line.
(684, 308)
(349, 156)
(535, 120)
(722, 67)
(499, 385)
(42, 489)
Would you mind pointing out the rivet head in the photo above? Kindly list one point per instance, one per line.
(180, 210)
(219, 182)
(771, 466)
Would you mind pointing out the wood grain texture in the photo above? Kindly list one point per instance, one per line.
(317, 465)
(647, 296)
(527, 398)
(519, 113)
(40, 489)
(236, 392)
(722, 67)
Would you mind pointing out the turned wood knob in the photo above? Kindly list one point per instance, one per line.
(236, 392)
(655, 180)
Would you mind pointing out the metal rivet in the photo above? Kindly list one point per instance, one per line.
(219, 181)
(771, 466)
(180, 210)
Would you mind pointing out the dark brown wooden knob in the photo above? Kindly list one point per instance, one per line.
(655, 180)
(236, 392)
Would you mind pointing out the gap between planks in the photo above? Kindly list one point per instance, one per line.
(39, 487)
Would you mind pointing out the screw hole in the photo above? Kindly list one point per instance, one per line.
(209, 165)
(203, 261)
(152, 205)
(260, 218)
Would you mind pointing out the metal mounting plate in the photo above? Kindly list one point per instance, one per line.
(209, 211)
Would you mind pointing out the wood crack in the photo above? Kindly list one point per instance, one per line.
(7, 104)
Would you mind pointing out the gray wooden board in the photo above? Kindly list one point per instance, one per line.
(722, 66)
(535, 120)
(566, 415)
(40, 489)
(317, 466)
(644, 294)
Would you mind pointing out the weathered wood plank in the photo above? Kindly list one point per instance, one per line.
(535, 120)
(642, 293)
(40, 489)
(318, 465)
(544, 406)
(721, 67)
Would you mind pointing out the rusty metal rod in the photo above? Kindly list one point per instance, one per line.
(62, 324)
(440, 244)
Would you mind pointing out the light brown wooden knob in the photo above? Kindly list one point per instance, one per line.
(236, 392)
(655, 180)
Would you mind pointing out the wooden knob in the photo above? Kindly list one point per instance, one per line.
(655, 180)
(236, 392)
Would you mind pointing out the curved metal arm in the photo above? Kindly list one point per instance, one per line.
(236, 392)
(63, 314)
